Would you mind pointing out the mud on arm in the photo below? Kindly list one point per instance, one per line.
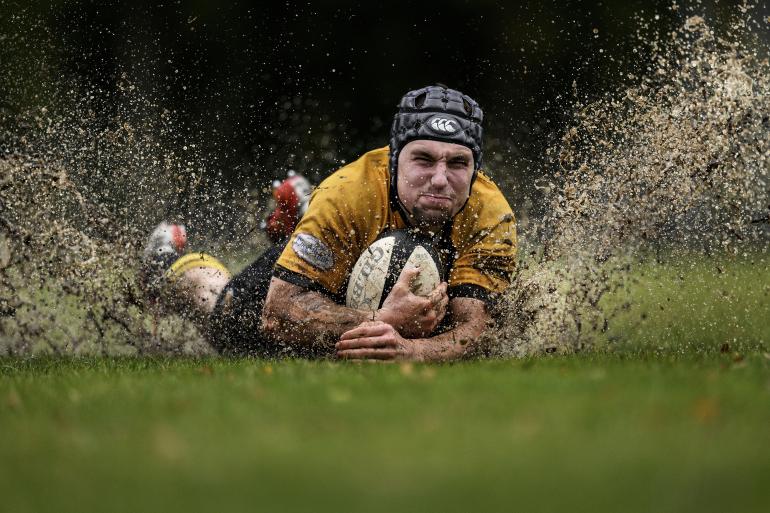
(302, 318)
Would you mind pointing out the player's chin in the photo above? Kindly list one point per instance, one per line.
(432, 216)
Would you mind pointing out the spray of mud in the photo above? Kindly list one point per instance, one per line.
(76, 202)
(679, 159)
(82, 180)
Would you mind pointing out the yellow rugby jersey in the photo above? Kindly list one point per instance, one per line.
(351, 209)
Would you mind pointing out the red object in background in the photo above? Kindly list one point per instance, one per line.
(179, 237)
(291, 199)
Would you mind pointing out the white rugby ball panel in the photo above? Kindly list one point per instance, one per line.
(378, 268)
(429, 278)
(367, 279)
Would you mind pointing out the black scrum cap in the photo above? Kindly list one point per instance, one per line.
(439, 114)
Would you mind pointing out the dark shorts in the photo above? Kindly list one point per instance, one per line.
(233, 327)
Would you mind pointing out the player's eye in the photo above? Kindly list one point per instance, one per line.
(458, 163)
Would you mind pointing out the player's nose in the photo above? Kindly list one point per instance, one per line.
(439, 179)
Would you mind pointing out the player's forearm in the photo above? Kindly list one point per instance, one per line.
(457, 343)
(471, 320)
(300, 317)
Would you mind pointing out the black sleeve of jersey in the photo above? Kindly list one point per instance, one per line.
(303, 281)
(472, 291)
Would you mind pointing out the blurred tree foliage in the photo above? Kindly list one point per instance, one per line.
(262, 87)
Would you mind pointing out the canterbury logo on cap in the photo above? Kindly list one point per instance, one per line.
(443, 125)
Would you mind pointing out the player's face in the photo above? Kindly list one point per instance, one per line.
(434, 180)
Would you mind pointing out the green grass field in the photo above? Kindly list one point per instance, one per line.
(673, 414)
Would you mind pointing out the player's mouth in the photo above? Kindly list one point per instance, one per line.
(435, 200)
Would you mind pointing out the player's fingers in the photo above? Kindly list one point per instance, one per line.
(443, 304)
(435, 300)
(438, 294)
(368, 354)
(441, 312)
(440, 289)
(365, 330)
(425, 305)
(364, 342)
(408, 274)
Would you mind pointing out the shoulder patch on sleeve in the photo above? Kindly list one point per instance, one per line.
(313, 251)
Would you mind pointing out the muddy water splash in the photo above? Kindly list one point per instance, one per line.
(677, 161)
(82, 180)
(77, 198)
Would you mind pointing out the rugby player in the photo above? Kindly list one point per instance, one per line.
(427, 179)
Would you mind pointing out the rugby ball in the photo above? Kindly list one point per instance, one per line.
(380, 265)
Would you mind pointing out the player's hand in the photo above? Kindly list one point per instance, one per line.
(375, 340)
(412, 315)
